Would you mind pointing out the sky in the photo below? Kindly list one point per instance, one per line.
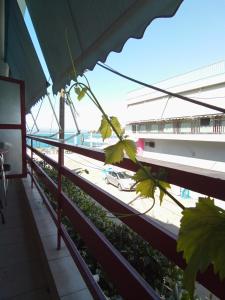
(193, 38)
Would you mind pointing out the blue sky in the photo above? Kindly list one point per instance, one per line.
(194, 37)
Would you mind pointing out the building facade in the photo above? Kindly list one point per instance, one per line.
(171, 129)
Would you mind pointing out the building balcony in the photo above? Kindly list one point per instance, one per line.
(182, 136)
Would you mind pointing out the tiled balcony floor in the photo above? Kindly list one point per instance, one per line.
(22, 274)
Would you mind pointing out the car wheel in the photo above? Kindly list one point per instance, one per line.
(106, 180)
(119, 187)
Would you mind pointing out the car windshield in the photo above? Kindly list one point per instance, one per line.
(123, 175)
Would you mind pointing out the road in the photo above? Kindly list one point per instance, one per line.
(168, 214)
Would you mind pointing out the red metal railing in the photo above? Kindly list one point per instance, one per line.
(119, 270)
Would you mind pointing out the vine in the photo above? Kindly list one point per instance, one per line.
(202, 229)
(146, 182)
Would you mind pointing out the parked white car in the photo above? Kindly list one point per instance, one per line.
(120, 179)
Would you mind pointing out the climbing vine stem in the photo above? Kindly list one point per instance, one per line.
(87, 91)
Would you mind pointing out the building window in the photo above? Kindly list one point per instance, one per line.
(142, 128)
(161, 126)
(204, 121)
(217, 125)
(176, 126)
(148, 127)
(195, 126)
(134, 127)
(150, 144)
(138, 128)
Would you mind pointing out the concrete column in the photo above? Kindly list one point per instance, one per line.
(4, 68)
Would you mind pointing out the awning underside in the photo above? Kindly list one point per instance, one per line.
(93, 28)
(21, 56)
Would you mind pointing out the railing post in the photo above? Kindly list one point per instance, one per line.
(59, 210)
(32, 159)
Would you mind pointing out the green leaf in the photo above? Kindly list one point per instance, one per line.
(77, 90)
(142, 174)
(146, 188)
(166, 186)
(202, 240)
(114, 154)
(82, 93)
(130, 149)
(116, 124)
(105, 129)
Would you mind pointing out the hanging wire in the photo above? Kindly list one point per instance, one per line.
(104, 66)
(69, 102)
(35, 124)
(35, 119)
(27, 127)
(52, 118)
(54, 113)
(165, 106)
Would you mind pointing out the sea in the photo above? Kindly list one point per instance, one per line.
(87, 139)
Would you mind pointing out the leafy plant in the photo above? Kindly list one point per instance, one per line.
(161, 274)
(193, 233)
(202, 240)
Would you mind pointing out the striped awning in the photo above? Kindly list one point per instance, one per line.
(92, 29)
(21, 56)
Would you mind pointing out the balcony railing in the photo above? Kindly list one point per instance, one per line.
(197, 125)
(126, 279)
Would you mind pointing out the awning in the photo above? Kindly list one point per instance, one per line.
(21, 56)
(93, 27)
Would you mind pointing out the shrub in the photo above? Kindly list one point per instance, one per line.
(155, 268)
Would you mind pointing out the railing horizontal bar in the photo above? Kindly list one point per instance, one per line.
(85, 272)
(158, 237)
(207, 182)
(116, 266)
(49, 183)
(46, 158)
(10, 126)
(111, 259)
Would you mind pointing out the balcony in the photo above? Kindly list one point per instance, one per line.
(115, 265)
(38, 258)
(205, 128)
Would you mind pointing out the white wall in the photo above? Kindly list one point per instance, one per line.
(206, 85)
(195, 149)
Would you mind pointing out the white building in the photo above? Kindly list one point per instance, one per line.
(171, 129)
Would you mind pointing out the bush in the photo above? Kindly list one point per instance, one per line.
(155, 268)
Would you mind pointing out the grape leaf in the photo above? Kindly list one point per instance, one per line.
(114, 153)
(77, 90)
(116, 124)
(146, 188)
(130, 149)
(82, 93)
(166, 186)
(105, 129)
(142, 174)
(120, 148)
(202, 240)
